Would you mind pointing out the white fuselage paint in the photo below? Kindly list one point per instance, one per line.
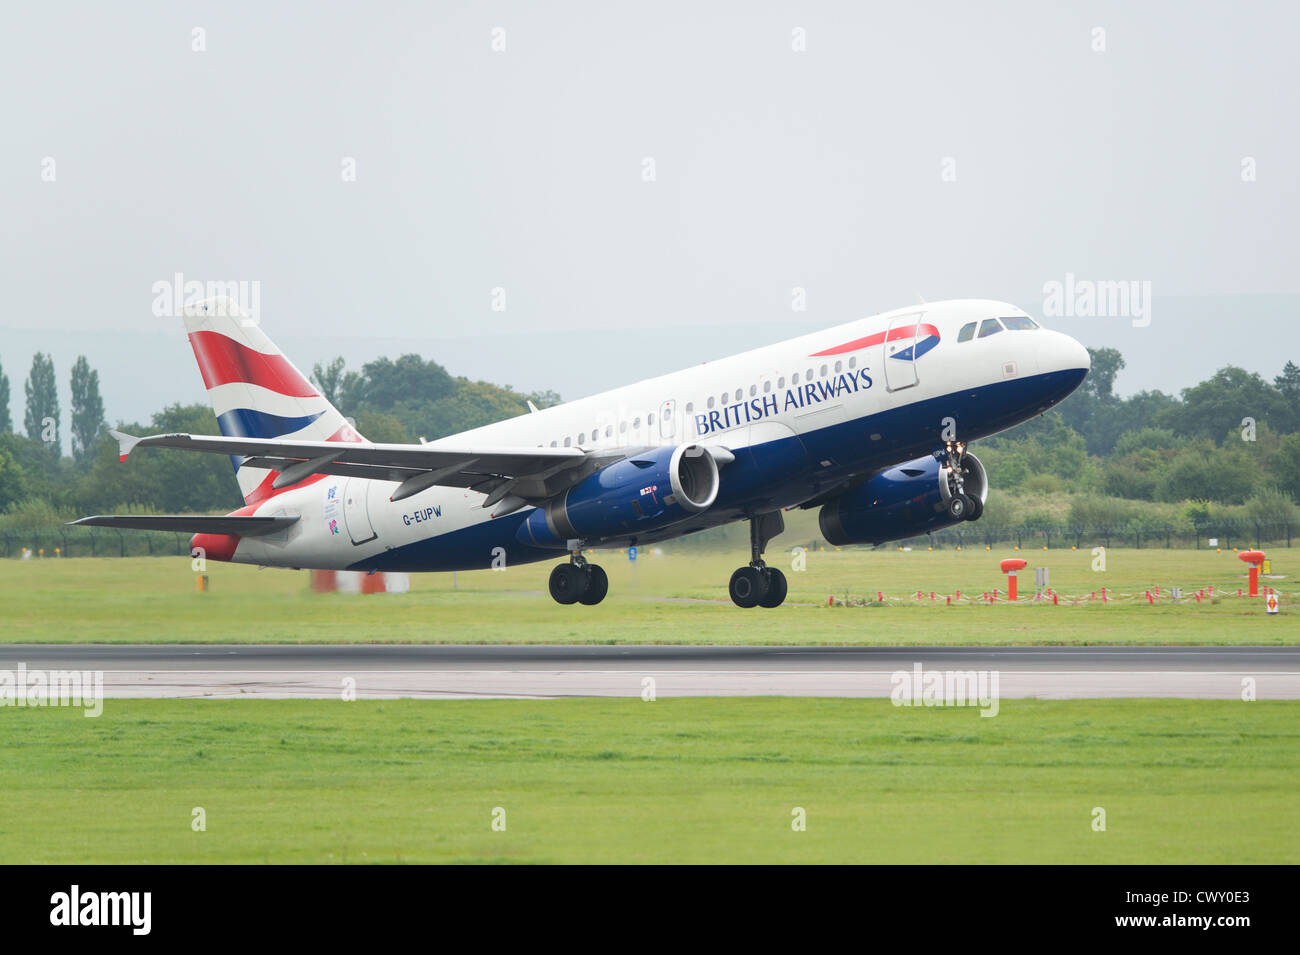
(666, 411)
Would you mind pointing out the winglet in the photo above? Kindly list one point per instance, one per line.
(532, 408)
(125, 444)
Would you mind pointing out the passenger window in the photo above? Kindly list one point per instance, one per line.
(780, 382)
(753, 390)
(739, 394)
(794, 379)
(853, 363)
(711, 401)
(823, 371)
(989, 327)
(725, 398)
(690, 406)
(649, 419)
(967, 332)
(767, 386)
(568, 441)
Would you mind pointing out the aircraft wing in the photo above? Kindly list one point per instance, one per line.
(190, 523)
(521, 475)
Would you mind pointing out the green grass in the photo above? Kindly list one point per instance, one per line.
(677, 597)
(698, 780)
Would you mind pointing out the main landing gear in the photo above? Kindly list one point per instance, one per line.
(759, 585)
(962, 506)
(579, 582)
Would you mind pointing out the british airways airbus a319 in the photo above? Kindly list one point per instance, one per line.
(868, 421)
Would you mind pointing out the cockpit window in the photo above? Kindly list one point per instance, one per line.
(1019, 323)
(967, 332)
(989, 327)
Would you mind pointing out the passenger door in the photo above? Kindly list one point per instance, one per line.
(668, 421)
(899, 351)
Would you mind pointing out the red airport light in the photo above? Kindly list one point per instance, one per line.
(1254, 558)
(1009, 567)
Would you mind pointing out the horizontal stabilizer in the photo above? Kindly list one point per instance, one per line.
(125, 443)
(189, 523)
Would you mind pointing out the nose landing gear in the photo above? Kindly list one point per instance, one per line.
(759, 585)
(962, 505)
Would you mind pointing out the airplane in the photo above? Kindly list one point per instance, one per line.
(868, 421)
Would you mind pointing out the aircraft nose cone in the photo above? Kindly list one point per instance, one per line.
(1063, 363)
(1080, 355)
(1059, 352)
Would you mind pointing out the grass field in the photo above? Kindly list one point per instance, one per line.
(703, 780)
(676, 597)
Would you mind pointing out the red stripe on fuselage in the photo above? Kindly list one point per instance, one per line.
(904, 331)
(223, 360)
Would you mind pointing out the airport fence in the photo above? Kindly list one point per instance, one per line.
(1224, 534)
(59, 541)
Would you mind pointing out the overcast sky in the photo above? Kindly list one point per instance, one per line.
(866, 153)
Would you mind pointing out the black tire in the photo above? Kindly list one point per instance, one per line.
(776, 589)
(597, 586)
(976, 509)
(748, 586)
(568, 583)
(959, 507)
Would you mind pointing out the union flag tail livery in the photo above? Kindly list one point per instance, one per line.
(255, 391)
(868, 421)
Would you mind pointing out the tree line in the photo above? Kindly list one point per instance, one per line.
(41, 418)
(398, 400)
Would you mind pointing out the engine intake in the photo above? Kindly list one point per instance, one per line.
(643, 492)
(905, 501)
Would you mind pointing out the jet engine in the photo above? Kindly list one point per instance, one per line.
(906, 501)
(643, 492)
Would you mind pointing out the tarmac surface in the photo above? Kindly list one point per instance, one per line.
(387, 671)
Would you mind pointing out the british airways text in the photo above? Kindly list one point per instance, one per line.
(803, 396)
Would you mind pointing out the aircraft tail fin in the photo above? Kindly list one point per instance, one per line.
(255, 391)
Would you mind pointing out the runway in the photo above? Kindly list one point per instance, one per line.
(379, 671)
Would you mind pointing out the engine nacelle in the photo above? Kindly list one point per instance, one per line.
(643, 492)
(905, 501)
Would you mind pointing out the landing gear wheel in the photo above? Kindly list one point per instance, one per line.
(959, 507)
(776, 588)
(976, 509)
(748, 587)
(597, 585)
(568, 583)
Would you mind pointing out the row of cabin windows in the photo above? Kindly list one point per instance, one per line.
(991, 326)
(809, 375)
